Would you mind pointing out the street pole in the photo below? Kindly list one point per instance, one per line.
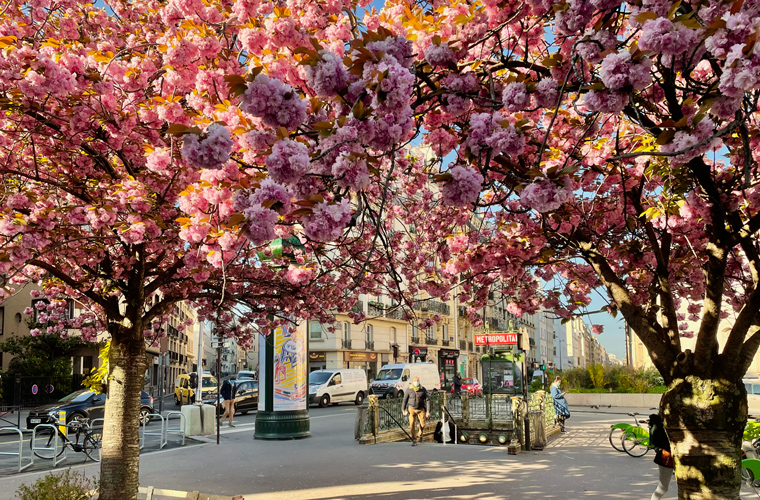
(218, 388)
(199, 388)
(160, 383)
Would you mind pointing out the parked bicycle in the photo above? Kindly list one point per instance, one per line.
(88, 440)
(617, 431)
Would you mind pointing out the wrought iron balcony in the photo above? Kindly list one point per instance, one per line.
(369, 345)
(415, 340)
(431, 341)
(445, 342)
(395, 314)
(472, 349)
(375, 309)
(462, 345)
(346, 343)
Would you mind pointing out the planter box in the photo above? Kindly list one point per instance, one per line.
(614, 399)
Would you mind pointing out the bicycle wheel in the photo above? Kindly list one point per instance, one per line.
(44, 442)
(91, 445)
(634, 445)
(616, 435)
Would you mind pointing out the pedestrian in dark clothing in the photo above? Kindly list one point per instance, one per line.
(663, 458)
(417, 404)
(445, 430)
(228, 393)
(457, 383)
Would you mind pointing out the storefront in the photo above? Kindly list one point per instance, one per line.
(417, 354)
(317, 360)
(366, 361)
(447, 367)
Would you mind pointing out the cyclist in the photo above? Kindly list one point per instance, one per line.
(663, 458)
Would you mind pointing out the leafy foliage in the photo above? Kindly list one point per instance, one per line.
(68, 485)
(606, 378)
(97, 380)
(42, 355)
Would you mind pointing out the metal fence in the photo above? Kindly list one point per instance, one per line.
(486, 412)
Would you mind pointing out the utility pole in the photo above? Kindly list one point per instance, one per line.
(218, 388)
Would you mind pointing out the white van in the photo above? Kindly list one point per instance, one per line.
(336, 386)
(392, 380)
(753, 395)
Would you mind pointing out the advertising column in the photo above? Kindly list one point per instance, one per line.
(283, 365)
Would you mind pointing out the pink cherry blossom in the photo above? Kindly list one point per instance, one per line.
(464, 187)
(515, 97)
(289, 161)
(260, 226)
(328, 75)
(618, 72)
(328, 221)
(545, 195)
(212, 150)
(276, 103)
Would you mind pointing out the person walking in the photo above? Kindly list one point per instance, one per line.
(457, 383)
(663, 458)
(417, 404)
(228, 393)
(560, 404)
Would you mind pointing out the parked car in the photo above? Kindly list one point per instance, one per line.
(336, 386)
(471, 386)
(246, 396)
(392, 380)
(81, 404)
(246, 374)
(185, 394)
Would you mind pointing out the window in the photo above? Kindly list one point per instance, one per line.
(445, 332)
(415, 332)
(346, 331)
(336, 379)
(315, 330)
(393, 335)
(370, 333)
(2, 320)
(430, 332)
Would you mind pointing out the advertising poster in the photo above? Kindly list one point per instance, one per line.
(290, 367)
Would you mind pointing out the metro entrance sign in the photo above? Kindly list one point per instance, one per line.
(495, 338)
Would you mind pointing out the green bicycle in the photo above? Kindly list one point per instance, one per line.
(635, 441)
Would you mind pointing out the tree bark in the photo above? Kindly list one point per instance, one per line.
(120, 455)
(704, 419)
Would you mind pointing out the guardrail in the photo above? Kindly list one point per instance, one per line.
(180, 431)
(161, 435)
(20, 447)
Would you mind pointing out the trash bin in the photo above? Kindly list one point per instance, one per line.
(537, 430)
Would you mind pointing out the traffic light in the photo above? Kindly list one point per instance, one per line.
(193, 380)
(543, 367)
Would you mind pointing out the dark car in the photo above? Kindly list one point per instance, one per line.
(246, 396)
(82, 403)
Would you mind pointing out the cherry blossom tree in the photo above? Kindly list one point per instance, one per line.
(151, 151)
(609, 146)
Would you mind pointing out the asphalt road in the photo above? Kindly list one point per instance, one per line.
(332, 465)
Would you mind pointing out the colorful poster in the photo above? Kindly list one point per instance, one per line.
(290, 369)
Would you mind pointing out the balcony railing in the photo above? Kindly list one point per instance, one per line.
(358, 307)
(430, 305)
(346, 343)
(462, 345)
(395, 314)
(431, 341)
(375, 309)
(445, 342)
(415, 340)
(369, 345)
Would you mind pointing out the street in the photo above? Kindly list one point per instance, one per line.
(331, 465)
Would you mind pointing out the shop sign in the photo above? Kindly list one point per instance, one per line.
(418, 351)
(317, 356)
(447, 354)
(360, 356)
(496, 339)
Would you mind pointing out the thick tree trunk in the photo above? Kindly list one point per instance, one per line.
(704, 420)
(120, 455)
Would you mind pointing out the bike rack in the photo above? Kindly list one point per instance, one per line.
(161, 435)
(20, 447)
(54, 449)
(180, 431)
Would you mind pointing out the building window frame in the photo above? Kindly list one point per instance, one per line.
(315, 330)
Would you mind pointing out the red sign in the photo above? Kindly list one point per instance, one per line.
(495, 338)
